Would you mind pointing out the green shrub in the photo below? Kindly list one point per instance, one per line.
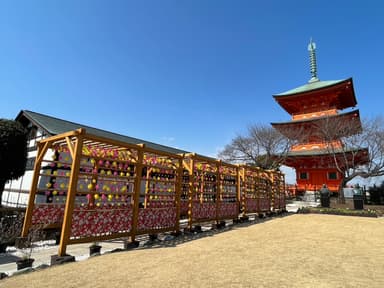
(338, 211)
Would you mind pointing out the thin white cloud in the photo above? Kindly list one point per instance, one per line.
(167, 139)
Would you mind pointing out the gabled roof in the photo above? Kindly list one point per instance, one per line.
(55, 126)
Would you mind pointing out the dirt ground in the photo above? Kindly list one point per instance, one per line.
(301, 250)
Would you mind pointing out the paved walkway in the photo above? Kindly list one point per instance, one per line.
(44, 250)
(293, 206)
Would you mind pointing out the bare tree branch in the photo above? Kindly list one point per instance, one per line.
(262, 146)
(357, 150)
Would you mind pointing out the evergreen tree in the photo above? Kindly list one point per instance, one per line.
(13, 151)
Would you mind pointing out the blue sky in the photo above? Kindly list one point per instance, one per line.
(188, 74)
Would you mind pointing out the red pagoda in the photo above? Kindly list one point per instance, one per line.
(310, 106)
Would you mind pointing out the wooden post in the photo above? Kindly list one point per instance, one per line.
(41, 150)
(137, 190)
(191, 192)
(258, 184)
(239, 193)
(270, 184)
(147, 183)
(218, 191)
(202, 180)
(178, 185)
(71, 194)
(273, 190)
(282, 185)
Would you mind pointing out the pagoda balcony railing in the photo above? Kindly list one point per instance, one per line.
(314, 114)
(316, 145)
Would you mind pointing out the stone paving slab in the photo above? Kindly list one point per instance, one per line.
(43, 252)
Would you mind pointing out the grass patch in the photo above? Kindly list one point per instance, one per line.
(339, 211)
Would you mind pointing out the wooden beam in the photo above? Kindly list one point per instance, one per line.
(190, 193)
(147, 183)
(41, 149)
(71, 196)
(161, 153)
(187, 166)
(41, 154)
(238, 185)
(137, 190)
(178, 187)
(108, 141)
(99, 238)
(70, 147)
(218, 191)
(63, 135)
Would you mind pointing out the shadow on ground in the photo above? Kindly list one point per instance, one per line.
(168, 240)
(6, 258)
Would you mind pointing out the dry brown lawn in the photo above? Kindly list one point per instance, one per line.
(293, 251)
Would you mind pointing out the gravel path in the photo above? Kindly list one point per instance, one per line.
(292, 251)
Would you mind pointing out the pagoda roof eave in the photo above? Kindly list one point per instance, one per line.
(338, 94)
(294, 129)
(323, 152)
(310, 87)
(358, 156)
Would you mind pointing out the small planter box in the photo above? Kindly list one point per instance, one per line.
(94, 250)
(24, 263)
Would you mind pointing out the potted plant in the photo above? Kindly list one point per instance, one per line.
(11, 223)
(26, 246)
(25, 262)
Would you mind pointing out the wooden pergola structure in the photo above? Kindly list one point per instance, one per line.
(95, 188)
(213, 187)
(261, 190)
